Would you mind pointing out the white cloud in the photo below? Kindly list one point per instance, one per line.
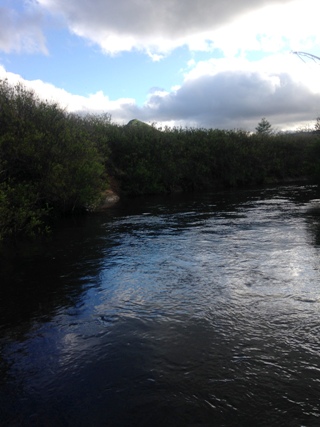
(231, 93)
(273, 28)
(21, 31)
(122, 110)
(159, 27)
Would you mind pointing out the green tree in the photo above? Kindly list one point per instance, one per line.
(264, 127)
(50, 161)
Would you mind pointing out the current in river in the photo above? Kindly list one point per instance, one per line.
(183, 310)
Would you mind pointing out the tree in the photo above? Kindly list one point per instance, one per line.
(51, 162)
(264, 127)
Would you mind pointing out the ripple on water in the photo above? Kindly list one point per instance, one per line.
(196, 313)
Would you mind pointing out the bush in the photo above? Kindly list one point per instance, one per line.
(49, 162)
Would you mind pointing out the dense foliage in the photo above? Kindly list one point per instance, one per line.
(54, 163)
(147, 160)
(49, 163)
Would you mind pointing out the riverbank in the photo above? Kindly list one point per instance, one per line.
(110, 198)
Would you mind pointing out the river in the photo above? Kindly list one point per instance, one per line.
(199, 310)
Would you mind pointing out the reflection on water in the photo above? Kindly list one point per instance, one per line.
(172, 311)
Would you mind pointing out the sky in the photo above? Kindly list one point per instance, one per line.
(205, 63)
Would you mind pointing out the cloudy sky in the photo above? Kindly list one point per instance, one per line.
(205, 63)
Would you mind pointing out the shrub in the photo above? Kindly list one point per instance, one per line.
(49, 162)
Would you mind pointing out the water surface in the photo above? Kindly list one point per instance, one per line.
(172, 311)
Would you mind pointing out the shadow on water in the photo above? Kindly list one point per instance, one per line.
(38, 280)
(39, 277)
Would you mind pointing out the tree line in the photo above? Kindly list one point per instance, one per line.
(54, 163)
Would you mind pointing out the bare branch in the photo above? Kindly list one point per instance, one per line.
(306, 54)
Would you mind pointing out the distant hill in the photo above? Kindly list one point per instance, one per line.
(138, 124)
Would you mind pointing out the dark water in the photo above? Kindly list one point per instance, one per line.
(176, 311)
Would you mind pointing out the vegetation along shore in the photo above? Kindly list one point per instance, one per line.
(53, 163)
